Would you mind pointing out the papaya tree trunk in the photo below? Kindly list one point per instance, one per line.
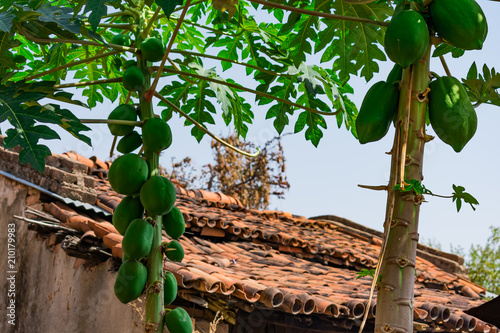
(394, 310)
(154, 285)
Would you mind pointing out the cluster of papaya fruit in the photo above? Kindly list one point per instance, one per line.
(146, 196)
(459, 23)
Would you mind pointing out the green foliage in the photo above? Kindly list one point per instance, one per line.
(459, 194)
(482, 88)
(484, 262)
(19, 105)
(413, 185)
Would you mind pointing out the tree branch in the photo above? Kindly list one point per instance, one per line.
(204, 129)
(88, 83)
(319, 14)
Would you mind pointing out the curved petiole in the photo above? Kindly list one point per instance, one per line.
(204, 129)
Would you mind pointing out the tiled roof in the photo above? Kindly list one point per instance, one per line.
(264, 259)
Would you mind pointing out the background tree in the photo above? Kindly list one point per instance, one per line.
(252, 180)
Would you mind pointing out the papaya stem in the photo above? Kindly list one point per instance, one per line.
(112, 150)
(71, 64)
(148, 95)
(32, 38)
(88, 83)
(259, 93)
(123, 26)
(204, 129)
(112, 121)
(320, 14)
(445, 65)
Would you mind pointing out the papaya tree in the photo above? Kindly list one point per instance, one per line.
(149, 58)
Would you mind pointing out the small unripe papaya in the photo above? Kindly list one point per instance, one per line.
(122, 112)
(129, 143)
(378, 109)
(130, 281)
(158, 195)
(127, 174)
(451, 113)
(173, 223)
(138, 239)
(406, 38)
(133, 79)
(461, 23)
(152, 49)
(128, 209)
(156, 134)
(169, 288)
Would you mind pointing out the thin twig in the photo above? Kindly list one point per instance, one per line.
(148, 95)
(320, 14)
(445, 65)
(88, 83)
(204, 129)
(375, 188)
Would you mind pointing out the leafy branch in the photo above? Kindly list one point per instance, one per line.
(258, 93)
(203, 128)
(458, 195)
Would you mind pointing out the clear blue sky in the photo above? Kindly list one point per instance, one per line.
(324, 180)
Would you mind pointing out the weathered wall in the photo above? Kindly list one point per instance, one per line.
(53, 291)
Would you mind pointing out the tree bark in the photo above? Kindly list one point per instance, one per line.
(394, 311)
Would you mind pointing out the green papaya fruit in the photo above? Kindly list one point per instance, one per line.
(133, 79)
(138, 239)
(174, 251)
(451, 113)
(121, 39)
(169, 288)
(178, 321)
(461, 23)
(122, 112)
(130, 281)
(378, 109)
(128, 209)
(158, 195)
(127, 174)
(156, 134)
(129, 143)
(129, 63)
(173, 223)
(406, 38)
(152, 49)
(395, 75)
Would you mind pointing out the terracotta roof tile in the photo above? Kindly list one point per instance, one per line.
(278, 260)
